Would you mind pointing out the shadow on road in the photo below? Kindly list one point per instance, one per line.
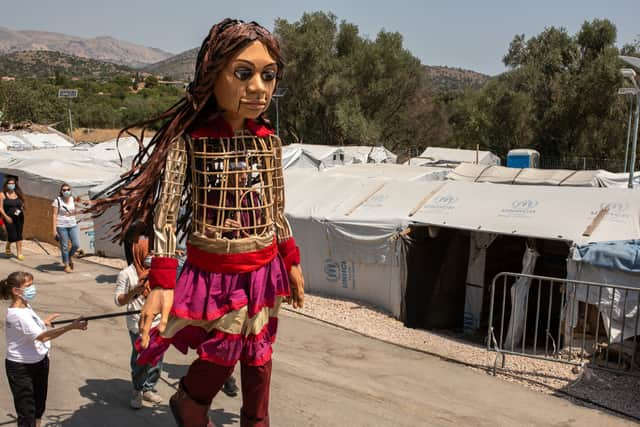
(106, 278)
(50, 268)
(109, 406)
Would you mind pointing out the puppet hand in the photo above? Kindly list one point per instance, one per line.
(296, 283)
(79, 323)
(159, 301)
(49, 319)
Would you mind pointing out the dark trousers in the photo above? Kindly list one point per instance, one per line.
(28, 383)
(14, 229)
(204, 380)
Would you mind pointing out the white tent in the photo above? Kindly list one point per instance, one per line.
(45, 140)
(348, 226)
(526, 176)
(453, 156)
(317, 156)
(14, 142)
(42, 177)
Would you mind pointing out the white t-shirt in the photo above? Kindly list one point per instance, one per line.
(66, 212)
(22, 327)
(127, 279)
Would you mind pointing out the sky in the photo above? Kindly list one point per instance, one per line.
(467, 34)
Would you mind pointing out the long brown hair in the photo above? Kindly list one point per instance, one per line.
(14, 280)
(17, 190)
(137, 189)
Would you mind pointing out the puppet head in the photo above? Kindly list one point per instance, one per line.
(237, 71)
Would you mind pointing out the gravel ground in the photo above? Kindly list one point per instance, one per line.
(620, 393)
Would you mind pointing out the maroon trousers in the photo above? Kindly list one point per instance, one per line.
(204, 380)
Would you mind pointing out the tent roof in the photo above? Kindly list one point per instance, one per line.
(527, 176)
(558, 213)
(454, 155)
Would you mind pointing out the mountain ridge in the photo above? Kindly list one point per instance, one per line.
(103, 48)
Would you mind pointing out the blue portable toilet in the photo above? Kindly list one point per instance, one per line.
(523, 158)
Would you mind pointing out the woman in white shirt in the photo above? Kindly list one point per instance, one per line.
(132, 291)
(65, 226)
(27, 361)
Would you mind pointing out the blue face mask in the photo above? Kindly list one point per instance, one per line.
(66, 193)
(29, 293)
(11, 187)
(147, 261)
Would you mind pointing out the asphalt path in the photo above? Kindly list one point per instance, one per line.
(323, 376)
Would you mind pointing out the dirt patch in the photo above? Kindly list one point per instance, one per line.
(101, 135)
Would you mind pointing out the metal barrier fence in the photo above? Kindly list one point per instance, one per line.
(575, 321)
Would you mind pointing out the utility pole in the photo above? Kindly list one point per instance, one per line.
(69, 94)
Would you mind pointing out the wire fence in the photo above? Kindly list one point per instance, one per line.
(583, 163)
(566, 321)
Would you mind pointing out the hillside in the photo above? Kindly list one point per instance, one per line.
(100, 48)
(180, 66)
(45, 64)
(448, 78)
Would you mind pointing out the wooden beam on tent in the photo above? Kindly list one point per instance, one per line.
(595, 222)
(363, 201)
(425, 199)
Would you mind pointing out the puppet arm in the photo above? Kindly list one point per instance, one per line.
(164, 265)
(165, 216)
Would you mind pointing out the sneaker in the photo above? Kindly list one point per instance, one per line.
(152, 396)
(230, 388)
(67, 269)
(136, 400)
(20, 257)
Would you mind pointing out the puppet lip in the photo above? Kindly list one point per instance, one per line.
(254, 104)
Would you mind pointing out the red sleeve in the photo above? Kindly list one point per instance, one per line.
(289, 252)
(163, 272)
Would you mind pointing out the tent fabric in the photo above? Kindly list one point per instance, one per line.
(326, 156)
(619, 180)
(46, 140)
(617, 255)
(525, 176)
(453, 156)
(14, 142)
(618, 309)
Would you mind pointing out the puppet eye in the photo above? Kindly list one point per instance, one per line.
(268, 75)
(243, 73)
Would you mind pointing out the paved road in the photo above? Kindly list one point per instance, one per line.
(323, 376)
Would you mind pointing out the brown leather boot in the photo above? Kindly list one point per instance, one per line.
(187, 412)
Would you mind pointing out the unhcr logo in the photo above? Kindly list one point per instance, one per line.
(520, 208)
(614, 206)
(446, 199)
(340, 272)
(332, 270)
(524, 204)
(443, 202)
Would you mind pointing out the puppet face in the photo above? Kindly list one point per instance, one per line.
(244, 87)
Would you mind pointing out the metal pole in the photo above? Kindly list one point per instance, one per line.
(278, 118)
(632, 162)
(626, 150)
(70, 122)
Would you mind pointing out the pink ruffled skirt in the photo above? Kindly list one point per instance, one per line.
(225, 317)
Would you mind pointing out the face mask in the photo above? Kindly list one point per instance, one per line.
(147, 261)
(66, 193)
(29, 293)
(11, 187)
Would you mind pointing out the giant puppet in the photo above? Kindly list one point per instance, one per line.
(214, 171)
